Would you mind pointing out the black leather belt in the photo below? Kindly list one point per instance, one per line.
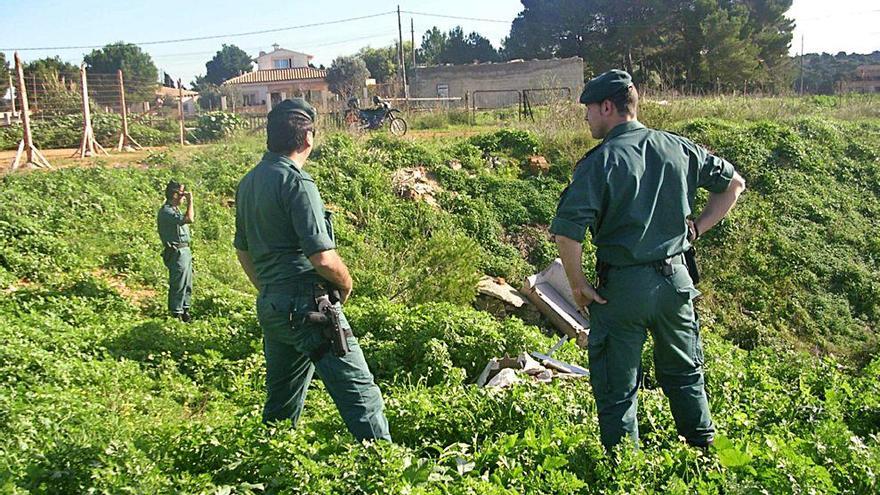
(309, 287)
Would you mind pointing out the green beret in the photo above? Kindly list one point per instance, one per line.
(293, 105)
(605, 85)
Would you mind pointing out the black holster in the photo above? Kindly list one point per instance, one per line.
(690, 260)
(602, 270)
(329, 318)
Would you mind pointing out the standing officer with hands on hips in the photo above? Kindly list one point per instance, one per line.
(174, 233)
(284, 241)
(635, 192)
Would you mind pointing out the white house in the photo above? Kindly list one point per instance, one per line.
(279, 58)
(281, 74)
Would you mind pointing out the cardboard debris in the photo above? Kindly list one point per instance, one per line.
(550, 293)
(415, 183)
(503, 372)
(504, 378)
(496, 296)
(498, 288)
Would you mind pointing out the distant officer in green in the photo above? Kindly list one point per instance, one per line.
(175, 236)
(285, 244)
(635, 193)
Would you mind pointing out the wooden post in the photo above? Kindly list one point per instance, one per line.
(180, 109)
(26, 146)
(400, 56)
(12, 94)
(89, 146)
(125, 140)
(412, 30)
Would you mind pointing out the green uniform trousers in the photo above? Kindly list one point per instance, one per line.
(288, 343)
(180, 278)
(640, 298)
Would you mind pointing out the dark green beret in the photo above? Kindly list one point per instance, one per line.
(605, 85)
(293, 105)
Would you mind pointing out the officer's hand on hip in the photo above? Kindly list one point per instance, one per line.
(693, 233)
(344, 294)
(586, 295)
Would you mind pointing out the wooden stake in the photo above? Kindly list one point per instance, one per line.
(34, 157)
(89, 146)
(180, 109)
(12, 94)
(125, 140)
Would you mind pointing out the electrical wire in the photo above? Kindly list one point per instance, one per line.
(211, 37)
(480, 19)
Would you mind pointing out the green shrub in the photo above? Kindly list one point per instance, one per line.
(212, 126)
(515, 142)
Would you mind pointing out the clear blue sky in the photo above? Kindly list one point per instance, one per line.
(848, 25)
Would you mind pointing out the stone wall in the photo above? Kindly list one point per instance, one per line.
(457, 80)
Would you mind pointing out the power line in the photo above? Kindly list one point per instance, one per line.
(455, 17)
(178, 56)
(212, 37)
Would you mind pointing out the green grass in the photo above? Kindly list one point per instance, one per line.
(100, 392)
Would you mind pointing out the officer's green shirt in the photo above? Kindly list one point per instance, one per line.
(635, 191)
(280, 221)
(173, 229)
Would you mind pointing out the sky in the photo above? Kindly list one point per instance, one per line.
(830, 26)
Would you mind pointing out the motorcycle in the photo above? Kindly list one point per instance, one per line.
(359, 119)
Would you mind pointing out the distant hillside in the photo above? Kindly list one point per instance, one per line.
(822, 71)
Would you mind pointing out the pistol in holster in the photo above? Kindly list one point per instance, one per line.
(329, 318)
(602, 270)
(690, 260)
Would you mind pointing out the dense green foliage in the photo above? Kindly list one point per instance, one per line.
(346, 76)
(212, 126)
(140, 72)
(100, 392)
(686, 44)
(66, 132)
(228, 62)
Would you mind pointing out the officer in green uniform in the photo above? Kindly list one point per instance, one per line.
(635, 192)
(285, 244)
(175, 236)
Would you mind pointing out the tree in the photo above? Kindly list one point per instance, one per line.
(229, 62)
(728, 59)
(52, 68)
(691, 44)
(459, 48)
(381, 62)
(347, 76)
(141, 75)
(433, 44)
(4, 80)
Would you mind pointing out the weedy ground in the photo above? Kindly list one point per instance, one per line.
(101, 393)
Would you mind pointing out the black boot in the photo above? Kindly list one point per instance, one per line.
(185, 316)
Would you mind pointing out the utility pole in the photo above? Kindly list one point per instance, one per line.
(802, 65)
(412, 30)
(400, 57)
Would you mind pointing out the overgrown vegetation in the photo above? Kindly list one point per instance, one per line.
(100, 392)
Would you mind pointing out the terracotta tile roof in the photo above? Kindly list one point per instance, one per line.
(278, 75)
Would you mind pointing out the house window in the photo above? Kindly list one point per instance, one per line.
(443, 91)
(282, 63)
(249, 99)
